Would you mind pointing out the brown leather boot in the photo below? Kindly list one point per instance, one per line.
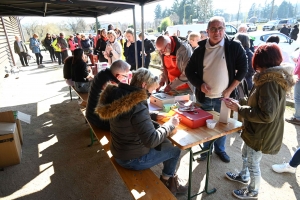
(174, 186)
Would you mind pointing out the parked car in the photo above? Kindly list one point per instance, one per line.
(251, 27)
(262, 20)
(285, 42)
(271, 25)
(291, 21)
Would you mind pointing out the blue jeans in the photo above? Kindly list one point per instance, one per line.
(167, 154)
(251, 169)
(214, 104)
(295, 161)
(297, 100)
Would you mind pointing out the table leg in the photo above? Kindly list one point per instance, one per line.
(207, 171)
(92, 138)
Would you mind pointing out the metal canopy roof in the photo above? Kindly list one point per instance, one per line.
(66, 8)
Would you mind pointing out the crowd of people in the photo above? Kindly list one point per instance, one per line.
(208, 64)
(211, 66)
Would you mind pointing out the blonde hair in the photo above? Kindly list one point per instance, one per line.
(143, 75)
(35, 35)
(193, 35)
(112, 32)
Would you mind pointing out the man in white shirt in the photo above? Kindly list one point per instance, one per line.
(215, 69)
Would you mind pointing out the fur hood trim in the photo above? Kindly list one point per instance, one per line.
(119, 106)
(277, 74)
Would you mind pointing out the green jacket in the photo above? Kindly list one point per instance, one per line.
(264, 113)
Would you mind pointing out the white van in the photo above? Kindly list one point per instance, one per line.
(181, 30)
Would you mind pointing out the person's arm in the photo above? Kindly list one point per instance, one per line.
(15, 46)
(117, 51)
(183, 57)
(144, 127)
(241, 69)
(126, 48)
(267, 105)
(297, 68)
(192, 70)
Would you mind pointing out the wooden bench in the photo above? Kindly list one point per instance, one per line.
(82, 95)
(143, 184)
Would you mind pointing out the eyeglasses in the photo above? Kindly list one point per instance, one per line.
(214, 29)
(124, 76)
(202, 32)
(166, 49)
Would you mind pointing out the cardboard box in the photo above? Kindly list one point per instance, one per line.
(194, 119)
(160, 99)
(10, 146)
(17, 117)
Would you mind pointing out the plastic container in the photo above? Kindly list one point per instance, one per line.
(211, 123)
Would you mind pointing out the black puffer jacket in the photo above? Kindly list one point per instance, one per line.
(96, 88)
(132, 130)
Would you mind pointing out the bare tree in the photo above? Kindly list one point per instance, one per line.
(30, 28)
(76, 25)
(205, 10)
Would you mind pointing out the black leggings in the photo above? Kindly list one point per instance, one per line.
(52, 56)
(39, 58)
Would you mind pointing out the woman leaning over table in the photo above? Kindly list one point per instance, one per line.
(263, 115)
(135, 142)
(81, 74)
(113, 48)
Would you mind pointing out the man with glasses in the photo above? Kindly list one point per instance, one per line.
(216, 68)
(118, 72)
(175, 55)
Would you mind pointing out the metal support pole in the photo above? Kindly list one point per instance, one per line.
(135, 45)
(97, 25)
(10, 50)
(143, 36)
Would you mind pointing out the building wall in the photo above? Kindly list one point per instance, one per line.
(7, 55)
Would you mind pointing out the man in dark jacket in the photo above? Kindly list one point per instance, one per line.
(294, 33)
(149, 48)
(216, 68)
(21, 49)
(118, 71)
(284, 30)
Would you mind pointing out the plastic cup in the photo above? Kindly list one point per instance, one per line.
(211, 123)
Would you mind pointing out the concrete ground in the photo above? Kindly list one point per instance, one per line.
(57, 164)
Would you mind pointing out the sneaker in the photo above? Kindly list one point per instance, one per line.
(293, 120)
(235, 177)
(284, 167)
(244, 194)
(223, 156)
